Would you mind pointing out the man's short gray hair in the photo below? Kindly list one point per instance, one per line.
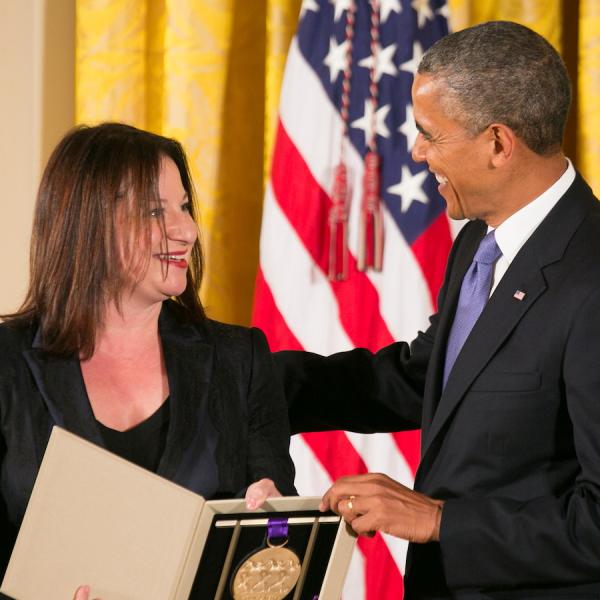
(502, 72)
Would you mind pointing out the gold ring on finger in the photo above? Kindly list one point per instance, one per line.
(350, 504)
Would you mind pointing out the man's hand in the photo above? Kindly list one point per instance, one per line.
(374, 502)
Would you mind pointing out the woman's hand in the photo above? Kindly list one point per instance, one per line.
(256, 495)
(82, 593)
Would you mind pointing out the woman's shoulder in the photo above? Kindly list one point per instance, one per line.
(234, 334)
(15, 335)
(15, 338)
(225, 335)
(229, 329)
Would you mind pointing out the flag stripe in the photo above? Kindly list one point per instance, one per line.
(268, 318)
(331, 450)
(380, 455)
(382, 575)
(303, 101)
(323, 331)
(339, 457)
(409, 444)
(427, 247)
(296, 304)
(307, 206)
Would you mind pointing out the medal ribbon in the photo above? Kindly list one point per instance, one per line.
(277, 529)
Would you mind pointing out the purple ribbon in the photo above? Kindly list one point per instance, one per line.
(277, 528)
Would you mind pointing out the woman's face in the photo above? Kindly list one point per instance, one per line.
(166, 274)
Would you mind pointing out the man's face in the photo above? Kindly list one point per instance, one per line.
(459, 160)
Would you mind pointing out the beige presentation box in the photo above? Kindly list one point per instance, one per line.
(94, 518)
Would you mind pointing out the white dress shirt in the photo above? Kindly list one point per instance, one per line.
(517, 229)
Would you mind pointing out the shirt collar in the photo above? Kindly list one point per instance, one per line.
(516, 230)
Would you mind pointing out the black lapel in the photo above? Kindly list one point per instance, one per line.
(60, 383)
(504, 311)
(189, 357)
(471, 236)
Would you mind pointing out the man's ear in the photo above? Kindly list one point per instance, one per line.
(503, 142)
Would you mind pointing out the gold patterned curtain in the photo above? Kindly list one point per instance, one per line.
(208, 73)
(544, 16)
(588, 88)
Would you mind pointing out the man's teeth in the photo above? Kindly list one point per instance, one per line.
(440, 178)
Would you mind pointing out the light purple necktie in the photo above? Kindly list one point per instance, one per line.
(474, 294)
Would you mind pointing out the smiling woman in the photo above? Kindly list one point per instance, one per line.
(100, 188)
(173, 237)
(113, 344)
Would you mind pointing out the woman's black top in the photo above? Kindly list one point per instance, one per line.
(143, 444)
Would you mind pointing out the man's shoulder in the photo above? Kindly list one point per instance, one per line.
(584, 247)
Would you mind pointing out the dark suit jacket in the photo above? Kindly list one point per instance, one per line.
(228, 424)
(513, 441)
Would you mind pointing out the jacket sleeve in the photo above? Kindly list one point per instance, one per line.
(356, 390)
(268, 429)
(548, 539)
(359, 390)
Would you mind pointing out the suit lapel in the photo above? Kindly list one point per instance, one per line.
(60, 384)
(189, 358)
(503, 311)
(433, 386)
(498, 319)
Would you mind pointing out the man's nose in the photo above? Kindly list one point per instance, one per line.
(418, 149)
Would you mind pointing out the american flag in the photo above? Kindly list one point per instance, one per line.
(296, 304)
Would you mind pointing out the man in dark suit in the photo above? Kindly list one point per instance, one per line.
(505, 383)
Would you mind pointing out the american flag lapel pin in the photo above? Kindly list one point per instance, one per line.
(519, 295)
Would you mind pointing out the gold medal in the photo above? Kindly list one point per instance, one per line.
(269, 574)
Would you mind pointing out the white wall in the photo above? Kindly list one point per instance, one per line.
(36, 108)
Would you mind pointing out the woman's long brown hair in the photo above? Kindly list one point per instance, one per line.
(77, 251)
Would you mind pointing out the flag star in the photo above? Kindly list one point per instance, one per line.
(383, 62)
(366, 121)
(423, 11)
(387, 6)
(410, 188)
(410, 66)
(409, 128)
(308, 5)
(340, 7)
(336, 57)
(443, 11)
